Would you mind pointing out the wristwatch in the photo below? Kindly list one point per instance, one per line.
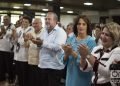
(88, 56)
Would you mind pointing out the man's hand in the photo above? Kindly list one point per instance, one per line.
(37, 41)
(26, 37)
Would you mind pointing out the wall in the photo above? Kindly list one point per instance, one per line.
(66, 19)
(92, 15)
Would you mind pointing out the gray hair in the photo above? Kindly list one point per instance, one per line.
(38, 19)
(54, 14)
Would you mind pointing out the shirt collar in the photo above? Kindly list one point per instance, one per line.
(55, 28)
(107, 50)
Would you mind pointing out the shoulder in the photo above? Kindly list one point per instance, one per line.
(89, 38)
(91, 41)
(97, 48)
(116, 50)
(43, 31)
(72, 39)
(19, 28)
(60, 30)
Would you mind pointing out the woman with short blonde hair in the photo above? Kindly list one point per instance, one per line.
(102, 56)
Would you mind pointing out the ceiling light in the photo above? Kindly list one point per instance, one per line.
(69, 11)
(16, 7)
(49, 0)
(61, 7)
(45, 9)
(88, 3)
(27, 4)
(21, 13)
(17, 12)
(42, 14)
(118, 0)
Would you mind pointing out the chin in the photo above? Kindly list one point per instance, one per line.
(104, 44)
(47, 27)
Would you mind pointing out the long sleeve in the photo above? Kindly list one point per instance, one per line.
(114, 55)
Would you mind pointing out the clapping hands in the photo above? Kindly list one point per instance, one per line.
(27, 37)
(83, 50)
(67, 49)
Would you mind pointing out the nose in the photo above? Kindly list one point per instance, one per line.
(102, 35)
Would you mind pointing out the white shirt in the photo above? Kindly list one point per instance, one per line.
(104, 72)
(51, 48)
(33, 51)
(8, 31)
(22, 54)
(5, 43)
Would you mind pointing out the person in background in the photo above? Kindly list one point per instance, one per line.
(33, 53)
(50, 43)
(102, 56)
(60, 25)
(70, 38)
(82, 31)
(6, 50)
(21, 50)
(19, 22)
(69, 29)
(98, 31)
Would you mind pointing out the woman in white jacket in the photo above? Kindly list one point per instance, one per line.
(102, 56)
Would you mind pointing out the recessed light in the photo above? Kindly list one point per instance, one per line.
(45, 9)
(69, 11)
(27, 4)
(61, 7)
(42, 14)
(16, 7)
(49, 0)
(88, 3)
(21, 13)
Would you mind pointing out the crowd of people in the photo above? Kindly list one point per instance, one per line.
(32, 55)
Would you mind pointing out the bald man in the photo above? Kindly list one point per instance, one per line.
(33, 53)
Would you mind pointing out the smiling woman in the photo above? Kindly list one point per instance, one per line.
(102, 56)
(110, 35)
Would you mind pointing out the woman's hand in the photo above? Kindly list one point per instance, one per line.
(67, 49)
(83, 50)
